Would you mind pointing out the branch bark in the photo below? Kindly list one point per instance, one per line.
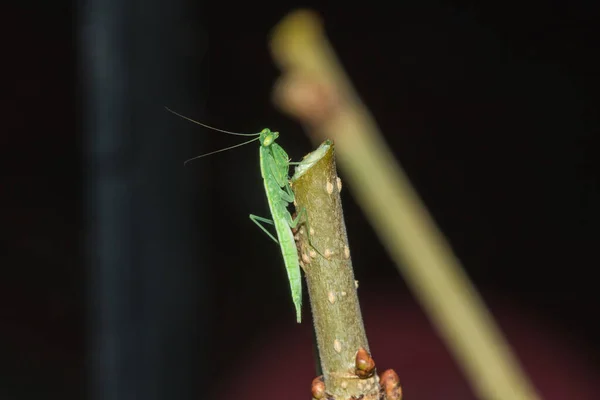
(325, 258)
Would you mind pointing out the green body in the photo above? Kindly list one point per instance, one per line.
(274, 168)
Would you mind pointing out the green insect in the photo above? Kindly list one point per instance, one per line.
(274, 168)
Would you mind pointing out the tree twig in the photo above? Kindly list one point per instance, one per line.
(325, 258)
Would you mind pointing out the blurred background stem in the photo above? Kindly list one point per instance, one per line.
(315, 90)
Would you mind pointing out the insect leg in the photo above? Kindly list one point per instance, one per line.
(257, 220)
(302, 218)
(286, 194)
(294, 222)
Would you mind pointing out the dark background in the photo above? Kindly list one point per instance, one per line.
(489, 109)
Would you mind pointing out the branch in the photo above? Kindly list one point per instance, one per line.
(325, 257)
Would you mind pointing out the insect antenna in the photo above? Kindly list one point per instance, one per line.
(218, 151)
(212, 127)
